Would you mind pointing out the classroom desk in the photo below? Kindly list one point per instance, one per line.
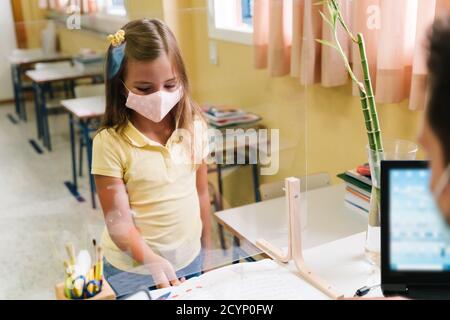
(328, 219)
(340, 263)
(83, 111)
(333, 241)
(22, 61)
(42, 77)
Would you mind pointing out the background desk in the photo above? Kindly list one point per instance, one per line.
(333, 240)
(20, 63)
(82, 111)
(340, 263)
(42, 77)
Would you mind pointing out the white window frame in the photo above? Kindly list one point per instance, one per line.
(237, 35)
(101, 22)
(104, 21)
(112, 13)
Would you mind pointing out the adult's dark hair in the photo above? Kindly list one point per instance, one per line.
(438, 109)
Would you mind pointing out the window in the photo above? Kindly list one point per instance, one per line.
(105, 7)
(231, 20)
(114, 7)
(247, 12)
(111, 16)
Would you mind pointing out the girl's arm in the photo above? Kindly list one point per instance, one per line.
(205, 205)
(119, 222)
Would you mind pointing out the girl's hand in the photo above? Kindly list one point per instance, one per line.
(162, 272)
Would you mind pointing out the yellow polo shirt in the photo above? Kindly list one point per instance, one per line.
(161, 186)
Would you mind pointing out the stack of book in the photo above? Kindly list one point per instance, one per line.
(358, 190)
(228, 117)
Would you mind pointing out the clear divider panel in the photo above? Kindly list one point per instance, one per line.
(160, 214)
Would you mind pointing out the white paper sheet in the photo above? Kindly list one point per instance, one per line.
(263, 280)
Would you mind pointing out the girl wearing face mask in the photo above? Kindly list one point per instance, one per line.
(148, 162)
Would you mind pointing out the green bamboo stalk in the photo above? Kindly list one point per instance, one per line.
(368, 122)
(367, 96)
(370, 95)
(375, 130)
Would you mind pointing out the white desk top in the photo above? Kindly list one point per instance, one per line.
(85, 108)
(29, 56)
(329, 219)
(342, 263)
(59, 74)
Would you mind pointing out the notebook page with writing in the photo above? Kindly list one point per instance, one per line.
(263, 280)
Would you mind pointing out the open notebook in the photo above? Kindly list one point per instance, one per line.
(263, 280)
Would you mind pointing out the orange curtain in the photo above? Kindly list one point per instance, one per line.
(394, 58)
(298, 7)
(311, 50)
(273, 36)
(43, 4)
(280, 37)
(442, 7)
(85, 6)
(426, 15)
(366, 20)
(261, 33)
(334, 72)
(285, 34)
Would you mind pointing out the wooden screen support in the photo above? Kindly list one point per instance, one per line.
(295, 250)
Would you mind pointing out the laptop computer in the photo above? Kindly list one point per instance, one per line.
(415, 239)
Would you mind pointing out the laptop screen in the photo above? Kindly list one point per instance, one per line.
(419, 236)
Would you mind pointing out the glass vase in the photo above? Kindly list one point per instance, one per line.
(393, 150)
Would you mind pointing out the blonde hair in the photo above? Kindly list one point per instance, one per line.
(146, 40)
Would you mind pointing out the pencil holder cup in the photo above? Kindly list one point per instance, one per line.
(105, 293)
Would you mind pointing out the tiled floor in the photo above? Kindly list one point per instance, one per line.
(38, 215)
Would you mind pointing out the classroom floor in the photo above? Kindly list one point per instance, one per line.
(38, 215)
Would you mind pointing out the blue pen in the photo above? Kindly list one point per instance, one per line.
(164, 296)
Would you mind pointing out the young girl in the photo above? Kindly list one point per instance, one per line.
(152, 187)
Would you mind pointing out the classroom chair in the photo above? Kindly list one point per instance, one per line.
(275, 189)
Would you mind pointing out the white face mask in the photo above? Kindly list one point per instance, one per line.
(444, 181)
(155, 106)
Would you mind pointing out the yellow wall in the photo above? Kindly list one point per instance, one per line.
(321, 129)
(71, 41)
(145, 9)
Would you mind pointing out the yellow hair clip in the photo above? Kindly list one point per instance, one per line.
(117, 39)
